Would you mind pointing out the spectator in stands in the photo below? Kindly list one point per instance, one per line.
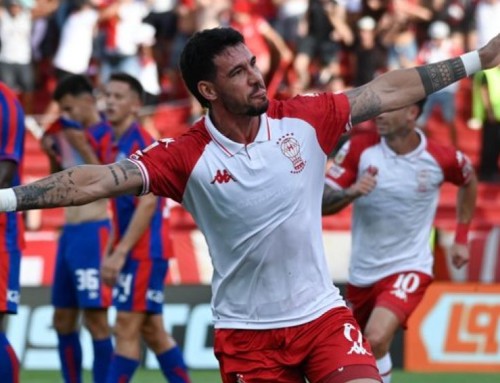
(440, 47)
(74, 46)
(16, 68)
(323, 31)
(457, 14)
(393, 178)
(289, 14)
(398, 32)
(369, 55)
(12, 131)
(120, 21)
(486, 111)
(77, 289)
(262, 40)
(74, 50)
(137, 263)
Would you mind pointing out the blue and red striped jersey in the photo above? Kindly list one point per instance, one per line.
(12, 132)
(109, 149)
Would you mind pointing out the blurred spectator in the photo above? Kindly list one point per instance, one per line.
(455, 13)
(322, 33)
(163, 18)
(16, 68)
(398, 32)
(289, 14)
(74, 51)
(487, 24)
(261, 38)
(369, 55)
(120, 21)
(486, 111)
(440, 47)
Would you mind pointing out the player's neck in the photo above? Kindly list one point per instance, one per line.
(241, 129)
(121, 127)
(404, 142)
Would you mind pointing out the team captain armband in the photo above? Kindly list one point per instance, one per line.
(462, 233)
(8, 200)
(472, 62)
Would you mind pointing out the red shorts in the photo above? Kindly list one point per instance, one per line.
(330, 346)
(400, 293)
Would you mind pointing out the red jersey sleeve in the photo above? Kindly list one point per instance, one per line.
(457, 167)
(167, 164)
(344, 171)
(327, 113)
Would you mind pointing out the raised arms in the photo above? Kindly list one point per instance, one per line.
(400, 88)
(80, 185)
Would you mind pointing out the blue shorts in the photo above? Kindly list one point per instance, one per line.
(9, 281)
(140, 286)
(77, 279)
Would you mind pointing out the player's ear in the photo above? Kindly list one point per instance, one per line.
(207, 90)
(413, 111)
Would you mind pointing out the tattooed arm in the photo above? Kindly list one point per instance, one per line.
(80, 185)
(334, 200)
(400, 88)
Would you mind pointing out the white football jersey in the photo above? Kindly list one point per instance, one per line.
(259, 207)
(391, 225)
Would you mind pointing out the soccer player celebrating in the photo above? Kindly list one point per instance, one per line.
(251, 172)
(393, 177)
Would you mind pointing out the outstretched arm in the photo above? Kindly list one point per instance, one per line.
(75, 186)
(400, 88)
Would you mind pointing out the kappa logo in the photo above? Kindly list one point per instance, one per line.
(223, 177)
(240, 378)
(357, 341)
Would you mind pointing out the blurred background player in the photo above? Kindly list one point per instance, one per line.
(393, 178)
(12, 132)
(77, 287)
(137, 264)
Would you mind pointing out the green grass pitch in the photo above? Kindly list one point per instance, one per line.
(148, 376)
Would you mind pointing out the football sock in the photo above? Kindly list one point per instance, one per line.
(9, 364)
(103, 351)
(384, 365)
(70, 355)
(121, 369)
(172, 365)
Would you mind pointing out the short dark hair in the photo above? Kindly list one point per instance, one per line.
(74, 85)
(133, 83)
(197, 57)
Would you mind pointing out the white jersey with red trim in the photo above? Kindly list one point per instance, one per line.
(391, 225)
(259, 207)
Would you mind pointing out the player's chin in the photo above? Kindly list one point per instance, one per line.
(256, 108)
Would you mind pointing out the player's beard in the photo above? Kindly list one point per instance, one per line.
(246, 109)
(257, 110)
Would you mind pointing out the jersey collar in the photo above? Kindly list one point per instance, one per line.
(388, 152)
(229, 147)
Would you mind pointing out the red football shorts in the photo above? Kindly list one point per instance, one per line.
(400, 293)
(331, 346)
